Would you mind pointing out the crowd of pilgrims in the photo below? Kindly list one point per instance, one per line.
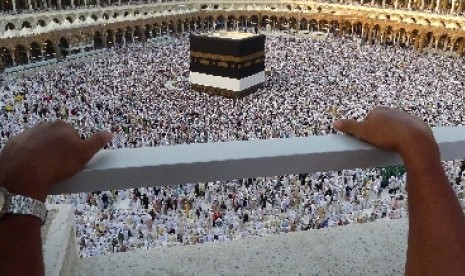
(141, 93)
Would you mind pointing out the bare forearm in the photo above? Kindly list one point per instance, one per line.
(436, 220)
(21, 246)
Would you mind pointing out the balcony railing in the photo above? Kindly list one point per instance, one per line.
(171, 165)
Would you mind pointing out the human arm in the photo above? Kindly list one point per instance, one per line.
(30, 164)
(436, 239)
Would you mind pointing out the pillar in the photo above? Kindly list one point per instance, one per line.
(14, 6)
(72, 4)
(438, 5)
(29, 4)
(452, 8)
(45, 4)
(460, 48)
(57, 51)
(409, 5)
(59, 4)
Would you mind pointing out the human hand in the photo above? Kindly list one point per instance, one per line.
(393, 130)
(33, 161)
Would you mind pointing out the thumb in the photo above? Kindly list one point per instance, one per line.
(96, 142)
(349, 126)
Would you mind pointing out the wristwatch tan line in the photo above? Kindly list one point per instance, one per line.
(21, 205)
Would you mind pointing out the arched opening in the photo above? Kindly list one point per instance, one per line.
(21, 55)
(26, 24)
(110, 35)
(388, 34)
(293, 23)
(128, 35)
(49, 50)
(265, 20)
(334, 26)
(179, 26)
(274, 21)
(254, 21)
(148, 31)
(231, 23)
(64, 47)
(156, 30)
(186, 25)
(357, 28)
(171, 28)
(414, 38)
(9, 26)
(428, 40)
(7, 58)
(323, 26)
(242, 22)
(138, 34)
(36, 54)
(303, 24)
(41, 23)
(442, 42)
(459, 46)
(220, 23)
(313, 25)
(119, 37)
(98, 40)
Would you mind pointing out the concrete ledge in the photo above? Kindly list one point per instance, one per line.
(160, 166)
(59, 245)
(376, 248)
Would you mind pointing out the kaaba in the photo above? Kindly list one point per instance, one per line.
(229, 64)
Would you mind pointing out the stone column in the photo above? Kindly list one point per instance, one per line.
(14, 6)
(438, 5)
(460, 49)
(57, 51)
(59, 4)
(431, 42)
(396, 4)
(45, 4)
(72, 4)
(29, 4)
(409, 5)
(97, 3)
(13, 58)
(452, 8)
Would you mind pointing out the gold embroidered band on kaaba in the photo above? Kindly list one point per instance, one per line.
(212, 62)
(224, 58)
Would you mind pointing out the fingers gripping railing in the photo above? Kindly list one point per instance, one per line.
(145, 167)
